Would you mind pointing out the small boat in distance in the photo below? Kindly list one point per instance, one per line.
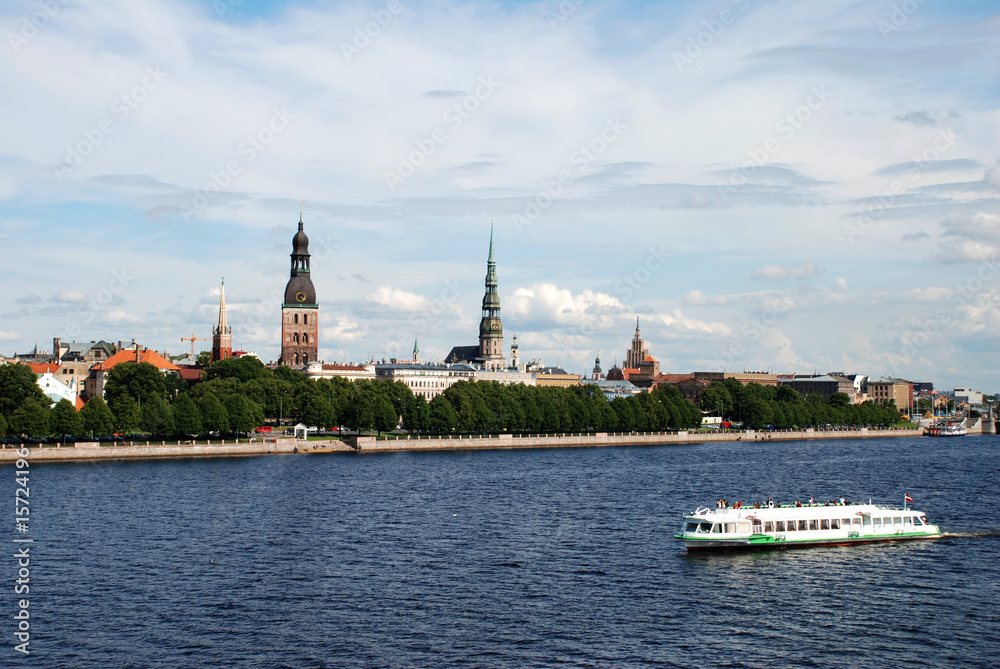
(945, 429)
(794, 526)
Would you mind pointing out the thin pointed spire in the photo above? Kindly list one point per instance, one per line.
(492, 258)
(222, 307)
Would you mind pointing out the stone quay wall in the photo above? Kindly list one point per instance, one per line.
(91, 451)
(508, 441)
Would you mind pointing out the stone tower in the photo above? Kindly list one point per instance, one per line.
(222, 334)
(490, 327)
(638, 352)
(299, 310)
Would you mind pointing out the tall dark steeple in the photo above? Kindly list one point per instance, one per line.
(490, 327)
(222, 334)
(299, 311)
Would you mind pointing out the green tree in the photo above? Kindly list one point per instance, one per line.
(214, 417)
(187, 418)
(416, 414)
(125, 412)
(243, 368)
(97, 418)
(318, 411)
(840, 400)
(386, 418)
(156, 416)
(244, 415)
(64, 420)
(717, 399)
(757, 413)
(3, 425)
(443, 418)
(203, 359)
(31, 419)
(138, 380)
(18, 383)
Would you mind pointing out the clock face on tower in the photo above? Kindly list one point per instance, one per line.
(300, 297)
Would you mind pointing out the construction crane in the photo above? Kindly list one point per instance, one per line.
(192, 339)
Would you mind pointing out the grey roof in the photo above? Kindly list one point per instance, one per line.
(428, 366)
(464, 354)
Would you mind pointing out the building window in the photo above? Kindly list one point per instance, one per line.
(296, 319)
(305, 319)
(295, 339)
(305, 337)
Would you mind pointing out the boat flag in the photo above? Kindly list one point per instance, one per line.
(907, 497)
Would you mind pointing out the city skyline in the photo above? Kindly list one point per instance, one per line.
(778, 187)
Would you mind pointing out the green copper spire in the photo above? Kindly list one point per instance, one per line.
(491, 259)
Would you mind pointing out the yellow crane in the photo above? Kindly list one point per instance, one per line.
(192, 339)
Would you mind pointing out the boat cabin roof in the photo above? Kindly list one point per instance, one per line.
(804, 511)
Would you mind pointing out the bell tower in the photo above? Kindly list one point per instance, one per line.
(490, 327)
(299, 310)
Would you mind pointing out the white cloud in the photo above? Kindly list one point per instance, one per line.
(10, 336)
(805, 270)
(398, 300)
(69, 297)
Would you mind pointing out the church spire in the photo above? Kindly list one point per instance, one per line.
(490, 327)
(222, 334)
(222, 307)
(416, 350)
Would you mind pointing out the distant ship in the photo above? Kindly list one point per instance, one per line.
(789, 526)
(944, 429)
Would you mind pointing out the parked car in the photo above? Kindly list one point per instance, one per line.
(263, 429)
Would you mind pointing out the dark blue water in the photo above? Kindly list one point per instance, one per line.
(505, 559)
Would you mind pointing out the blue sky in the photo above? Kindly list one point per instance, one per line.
(766, 185)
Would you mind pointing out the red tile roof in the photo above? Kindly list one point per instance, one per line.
(144, 355)
(44, 367)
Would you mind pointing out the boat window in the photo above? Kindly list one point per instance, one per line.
(846, 522)
(857, 521)
(744, 527)
(923, 521)
(824, 524)
(705, 527)
(691, 527)
(907, 520)
(717, 528)
(897, 520)
(877, 522)
(813, 525)
(835, 524)
(769, 526)
(803, 526)
(791, 525)
(779, 526)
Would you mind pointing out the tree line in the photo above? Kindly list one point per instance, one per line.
(758, 407)
(239, 395)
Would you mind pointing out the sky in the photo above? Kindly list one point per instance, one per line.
(783, 186)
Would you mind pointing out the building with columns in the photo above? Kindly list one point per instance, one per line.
(299, 310)
(222, 333)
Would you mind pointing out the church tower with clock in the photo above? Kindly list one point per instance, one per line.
(490, 327)
(299, 310)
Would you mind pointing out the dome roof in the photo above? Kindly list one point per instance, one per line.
(300, 242)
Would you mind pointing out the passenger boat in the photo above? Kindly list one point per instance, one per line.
(792, 525)
(947, 430)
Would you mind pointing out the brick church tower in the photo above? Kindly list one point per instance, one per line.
(222, 334)
(299, 311)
